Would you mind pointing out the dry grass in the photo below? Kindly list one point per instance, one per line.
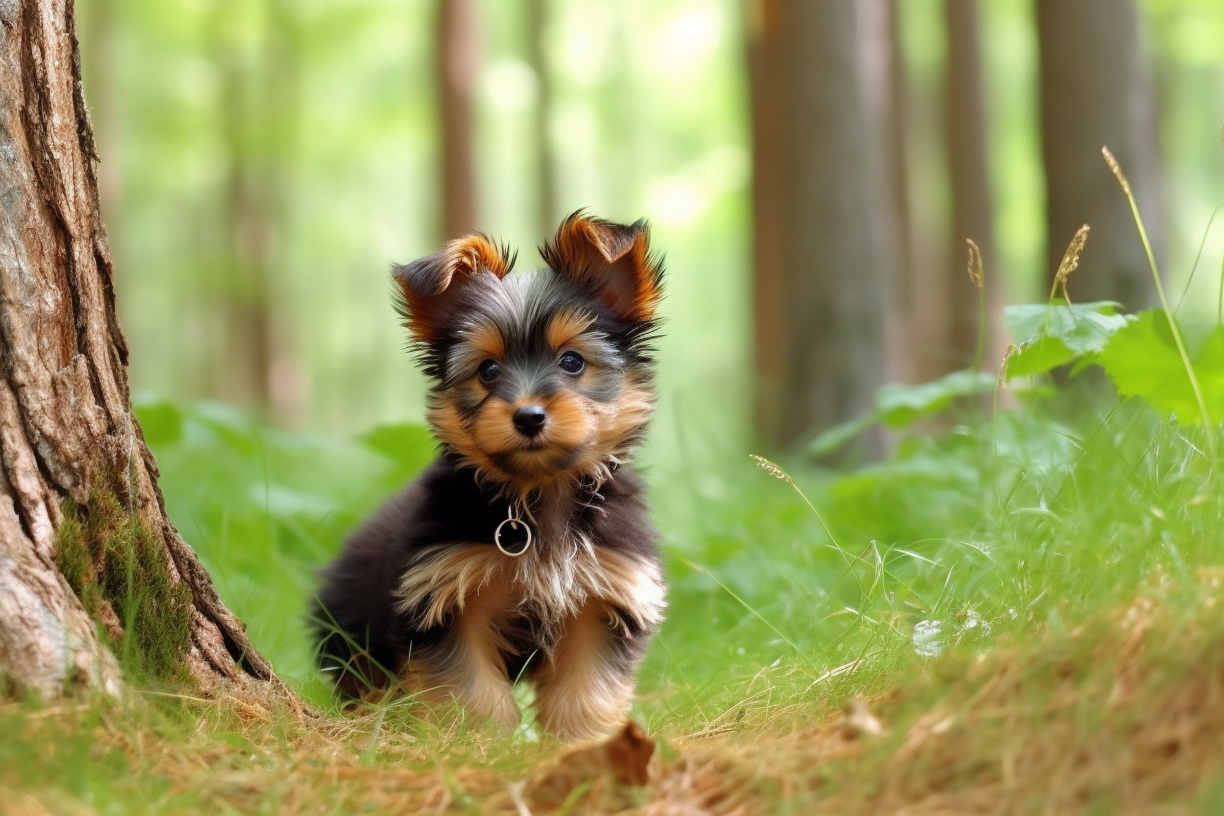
(1123, 714)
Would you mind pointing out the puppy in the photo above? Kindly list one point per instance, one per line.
(525, 551)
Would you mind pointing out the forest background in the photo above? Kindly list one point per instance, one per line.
(262, 163)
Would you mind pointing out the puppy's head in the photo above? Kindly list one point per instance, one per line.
(544, 376)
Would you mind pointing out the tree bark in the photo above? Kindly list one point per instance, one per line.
(76, 478)
(457, 64)
(1095, 91)
(836, 245)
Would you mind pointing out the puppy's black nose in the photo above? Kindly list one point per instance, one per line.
(530, 419)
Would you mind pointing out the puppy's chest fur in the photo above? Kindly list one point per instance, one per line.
(586, 554)
(533, 596)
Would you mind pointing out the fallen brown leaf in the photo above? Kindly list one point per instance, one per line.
(607, 769)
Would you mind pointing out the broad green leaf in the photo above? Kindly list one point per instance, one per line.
(1038, 356)
(1057, 333)
(899, 405)
(833, 438)
(1142, 360)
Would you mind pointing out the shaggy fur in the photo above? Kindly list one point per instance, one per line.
(541, 389)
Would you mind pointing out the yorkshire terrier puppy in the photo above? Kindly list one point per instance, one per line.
(525, 550)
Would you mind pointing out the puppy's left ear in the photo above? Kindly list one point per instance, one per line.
(613, 260)
(431, 290)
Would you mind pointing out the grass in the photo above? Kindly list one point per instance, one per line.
(1029, 604)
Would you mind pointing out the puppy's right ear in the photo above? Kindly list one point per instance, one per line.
(430, 289)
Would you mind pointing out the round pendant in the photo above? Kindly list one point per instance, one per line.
(517, 540)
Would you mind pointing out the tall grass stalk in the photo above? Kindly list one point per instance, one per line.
(1164, 301)
(1198, 257)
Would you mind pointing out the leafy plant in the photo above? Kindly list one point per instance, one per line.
(1058, 333)
(1143, 361)
(265, 508)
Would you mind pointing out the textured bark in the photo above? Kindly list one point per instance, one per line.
(836, 244)
(66, 426)
(458, 62)
(1095, 91)
(972, 203)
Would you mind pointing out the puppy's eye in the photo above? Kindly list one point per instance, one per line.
(489, 371)
(571, 362)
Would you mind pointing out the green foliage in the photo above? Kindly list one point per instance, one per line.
(827, 588)
(787, 595)
(899, 406)
(1057, 333)
(1143, 361)
(119, 571)
(265, 508)
(1138, 352)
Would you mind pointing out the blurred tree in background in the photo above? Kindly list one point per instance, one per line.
(1096, 90)
(969, 173)
(458, 61)
(833, 241)
(812, 169)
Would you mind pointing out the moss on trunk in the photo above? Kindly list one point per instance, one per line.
(119, 571)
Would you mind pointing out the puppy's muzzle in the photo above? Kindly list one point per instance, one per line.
(530, 420)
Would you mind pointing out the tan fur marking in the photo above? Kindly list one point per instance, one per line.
(580, 692)
(459, 261)
(589, 247)
(449, 427)
(566, 327)
(493, 429)
(475, 675)
(633, 410)
(486, 342)
(616, 425)
(570, 422)
(553, 581)
(573, 425)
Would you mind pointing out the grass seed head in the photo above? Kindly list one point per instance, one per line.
(1117, 169)
(772, 469)
(975, 264)
(1071, 258)
(1007, 355)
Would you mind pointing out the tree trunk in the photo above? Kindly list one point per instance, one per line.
(83, 527)
(972, 203)
(457, 64)
(836, 247)
(884, 93)
(768, 192)
(1094, 92)
(547, 214)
